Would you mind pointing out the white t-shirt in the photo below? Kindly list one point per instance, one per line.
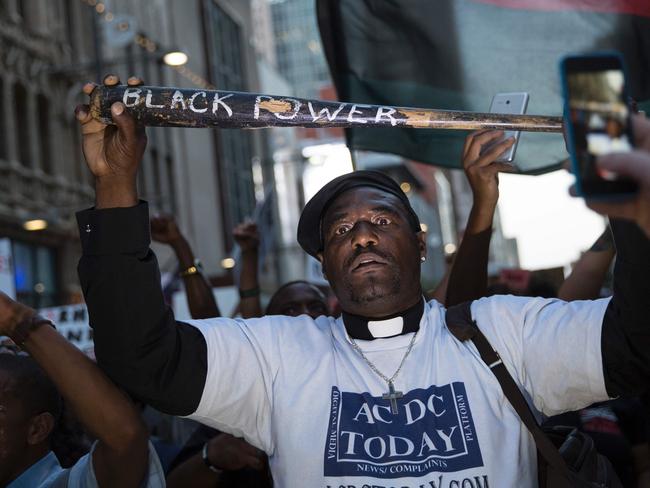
(296, 388)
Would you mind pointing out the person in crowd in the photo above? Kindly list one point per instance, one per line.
(213, 459)
(294, 298)
(634, 165)
(587, 277)
(520, 282)
(70, 441)
(201, 301)
(385, 394)
(31, 406)
(248, 240)
(297, 298)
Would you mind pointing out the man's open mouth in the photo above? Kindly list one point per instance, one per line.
(367, 260)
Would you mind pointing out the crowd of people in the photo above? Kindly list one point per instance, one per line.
(362, 383)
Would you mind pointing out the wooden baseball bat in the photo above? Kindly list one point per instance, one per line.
(164, 106)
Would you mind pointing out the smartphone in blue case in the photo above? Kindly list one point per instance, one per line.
(597, 121)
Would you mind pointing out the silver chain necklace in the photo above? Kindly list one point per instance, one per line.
(391, 394)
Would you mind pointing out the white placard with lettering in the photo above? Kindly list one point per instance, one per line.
(72, 323)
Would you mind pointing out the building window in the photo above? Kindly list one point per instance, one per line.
(171, 200)
(236, 162)
(21, 10)
(35, 272)
(70, 26)
(22, 124)
(227, 72)
(162, 196)
(43, 108)
(3, 129)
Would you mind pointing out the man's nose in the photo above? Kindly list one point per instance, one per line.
(363, 234)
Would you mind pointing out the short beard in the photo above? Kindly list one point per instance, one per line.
(371, 292)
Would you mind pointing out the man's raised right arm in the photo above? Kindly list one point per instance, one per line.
(137, 340)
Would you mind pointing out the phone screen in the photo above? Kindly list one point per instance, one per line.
(599, 119)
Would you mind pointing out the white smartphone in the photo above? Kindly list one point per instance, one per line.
(509, 103)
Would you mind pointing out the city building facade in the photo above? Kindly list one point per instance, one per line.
(298, 46)
(208, 179)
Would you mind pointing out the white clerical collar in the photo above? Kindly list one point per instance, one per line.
(380, 329)
(404, 322)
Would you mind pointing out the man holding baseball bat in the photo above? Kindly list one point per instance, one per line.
(384, 396)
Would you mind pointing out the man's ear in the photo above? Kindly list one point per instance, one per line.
(40, 428)
(422, 244)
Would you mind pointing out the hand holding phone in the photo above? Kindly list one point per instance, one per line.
(636, 166)
(508, 103)
(597, 119)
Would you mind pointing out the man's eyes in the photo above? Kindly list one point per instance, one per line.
(342, 229)
(318, 308)
(382, 221)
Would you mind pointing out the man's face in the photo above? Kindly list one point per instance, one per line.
(298, 299)
(371, 255)
(14, 428)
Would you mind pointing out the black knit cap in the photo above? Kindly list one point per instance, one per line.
(310, 236)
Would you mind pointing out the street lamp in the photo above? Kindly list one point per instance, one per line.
(35, 224)
(175, 58)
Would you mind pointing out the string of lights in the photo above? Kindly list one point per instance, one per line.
(148, 44)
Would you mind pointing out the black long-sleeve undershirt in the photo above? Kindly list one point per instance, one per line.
(164, 362)
(625, 339)
(137, 340)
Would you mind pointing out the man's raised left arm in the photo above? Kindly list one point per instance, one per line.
(626, 326)
(138, 343)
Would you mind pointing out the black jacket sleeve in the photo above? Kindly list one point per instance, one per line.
(137, 340)
(626, 325)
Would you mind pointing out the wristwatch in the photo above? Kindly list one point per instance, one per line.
(206, 461)
(196, 268)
